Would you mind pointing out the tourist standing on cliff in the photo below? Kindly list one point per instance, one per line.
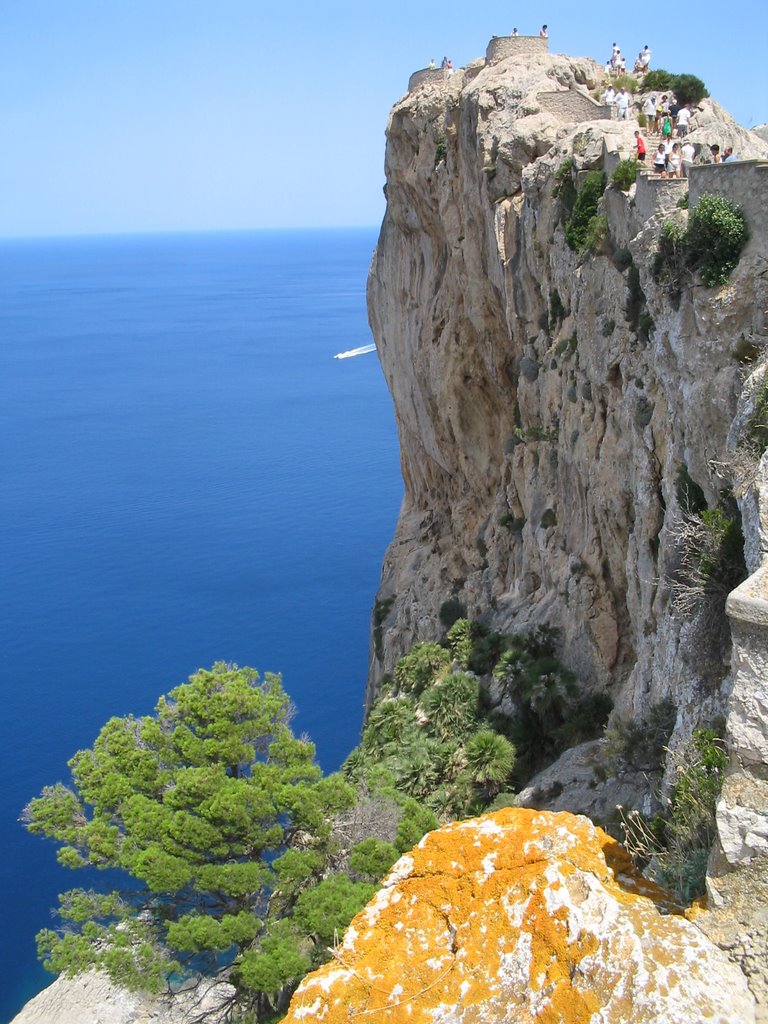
(514, 33)
(544, 32)
(649, 109)
(623, 100)
(674, 161)
(684, 116)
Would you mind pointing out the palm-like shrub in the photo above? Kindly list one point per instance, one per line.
(460, 638)
(421, 666)
(392, 721)
(511, 669)
(417, 767)
(490, 760)
(452, 706)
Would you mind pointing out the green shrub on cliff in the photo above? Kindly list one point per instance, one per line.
(625, 174)
(674, 846)
(584, 209)
(717, 233)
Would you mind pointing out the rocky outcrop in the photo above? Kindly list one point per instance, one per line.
(548, 402)
(522, 916)
(92, 999)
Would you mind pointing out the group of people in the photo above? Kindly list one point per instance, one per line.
(672, 159)
(617, 64)
(666, 117)
(620, 102)
(445, 65)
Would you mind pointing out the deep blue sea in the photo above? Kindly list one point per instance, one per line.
(188, 475)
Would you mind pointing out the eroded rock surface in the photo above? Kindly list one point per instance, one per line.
(92, 999)
(522, 916)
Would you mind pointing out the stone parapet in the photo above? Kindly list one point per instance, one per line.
(427, 76)
(503, 47)
(656, 196)
(573, 106)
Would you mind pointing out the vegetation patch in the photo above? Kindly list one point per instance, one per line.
(437, 740)
(674, 846)
(625, 174)
(687, 88)
(596, 238)
(756, 435)
(440, 149)
(709, 562)
(242, 857)
(584, 209)
(710, 246)
(716, 235)
(381, 609)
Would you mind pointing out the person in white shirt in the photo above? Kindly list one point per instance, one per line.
(622, 104)
(688, 153)
(684, 116)
(609, 96)
(649, 109)
(645, 57)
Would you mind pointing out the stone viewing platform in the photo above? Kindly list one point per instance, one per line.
(427, 76)
(502, 47)
(499, 48)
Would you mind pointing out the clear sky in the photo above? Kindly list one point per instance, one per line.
(142, 115)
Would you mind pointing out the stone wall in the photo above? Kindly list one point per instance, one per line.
(744, 182)
(573, 106)
(427, 76)
(502, 47)
(657, 197)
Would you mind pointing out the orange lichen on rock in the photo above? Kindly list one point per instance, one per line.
(521, 916)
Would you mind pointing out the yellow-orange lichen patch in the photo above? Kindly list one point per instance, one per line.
(520, 916)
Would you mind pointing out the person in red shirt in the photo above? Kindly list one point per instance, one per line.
(640, 146)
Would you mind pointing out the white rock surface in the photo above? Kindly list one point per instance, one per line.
(92, 999)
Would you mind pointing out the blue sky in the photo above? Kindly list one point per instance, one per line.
(142, 115)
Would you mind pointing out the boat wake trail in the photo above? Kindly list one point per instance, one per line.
(355, 352)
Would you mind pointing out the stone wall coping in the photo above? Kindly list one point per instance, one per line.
(749, 601)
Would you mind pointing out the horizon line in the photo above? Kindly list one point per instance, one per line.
(150, 232)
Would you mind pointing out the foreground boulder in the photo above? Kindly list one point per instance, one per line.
(522, 916)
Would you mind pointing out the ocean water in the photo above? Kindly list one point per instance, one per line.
(188, 475)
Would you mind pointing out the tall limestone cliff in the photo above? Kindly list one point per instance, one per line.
(561, 411)
(553, 406)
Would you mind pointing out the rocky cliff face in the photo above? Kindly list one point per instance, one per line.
(549, 403)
